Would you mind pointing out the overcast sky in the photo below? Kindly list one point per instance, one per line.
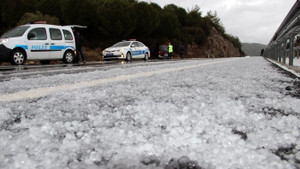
(253, 21)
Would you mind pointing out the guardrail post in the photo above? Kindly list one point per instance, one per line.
(272, 53)
(277, 47)
(280, 51)
(285, 51)
(291, 51)
(297, 45)
(275, 53)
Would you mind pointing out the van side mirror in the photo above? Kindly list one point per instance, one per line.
(31, 36)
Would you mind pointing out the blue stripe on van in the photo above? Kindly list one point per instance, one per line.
(61, 47)
(22, 46)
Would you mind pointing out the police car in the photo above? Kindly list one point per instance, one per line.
(42, 42)
(127, 50)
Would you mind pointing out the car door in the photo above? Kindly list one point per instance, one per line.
(135, 50)
(38, 43)
(57, 44)
(142, 48)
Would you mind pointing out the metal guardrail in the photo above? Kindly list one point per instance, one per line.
(285, 44)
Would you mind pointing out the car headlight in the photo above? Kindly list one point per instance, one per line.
(121, 50)
(2, 41)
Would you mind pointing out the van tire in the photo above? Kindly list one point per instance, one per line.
(68, 57)
(18, 57)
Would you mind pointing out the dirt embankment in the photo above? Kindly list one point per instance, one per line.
(216, 46)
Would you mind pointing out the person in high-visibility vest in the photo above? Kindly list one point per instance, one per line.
(170, 51)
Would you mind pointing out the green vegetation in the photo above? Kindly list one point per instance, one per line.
(38, 16)
(110, 21)
(216, 22)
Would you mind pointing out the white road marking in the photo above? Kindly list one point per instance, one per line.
(41, 92)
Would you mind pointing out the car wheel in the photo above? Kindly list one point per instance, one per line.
(146, 57)
(68, 57)
(128, 56)
(18, 57)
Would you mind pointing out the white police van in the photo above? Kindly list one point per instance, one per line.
(42, 42)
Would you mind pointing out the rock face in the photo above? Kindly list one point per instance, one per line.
(216, 46)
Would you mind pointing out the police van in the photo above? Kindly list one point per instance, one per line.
(42, 42)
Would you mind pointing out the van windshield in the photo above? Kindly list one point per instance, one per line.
(15, 32)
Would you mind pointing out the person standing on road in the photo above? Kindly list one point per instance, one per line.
(78, 41)
(170, 52)
(181, 51)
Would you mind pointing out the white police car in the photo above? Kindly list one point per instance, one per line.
(37, 42)
(127, 50)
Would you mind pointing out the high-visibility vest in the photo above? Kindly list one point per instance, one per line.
(170, 48)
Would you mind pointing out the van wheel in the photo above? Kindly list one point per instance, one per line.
(128, 56)
(68, 57)
(146, 58)
(17, 57)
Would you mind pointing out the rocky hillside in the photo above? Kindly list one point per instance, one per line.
(252, 49)
(215, 47)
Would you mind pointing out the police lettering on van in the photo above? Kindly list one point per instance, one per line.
(37, 42)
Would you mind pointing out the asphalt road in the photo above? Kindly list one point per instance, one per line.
(24, 71)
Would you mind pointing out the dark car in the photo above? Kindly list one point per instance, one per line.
(163, 51)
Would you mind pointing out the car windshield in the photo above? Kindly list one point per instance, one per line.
(121, 44)
(163, 48)
(15, 32)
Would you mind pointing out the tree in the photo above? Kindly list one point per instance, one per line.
(179, 12)
(110, 21)
(216, 21)
(169, 26)
(11, 12)
(116, 19)
(51, 7)
(194, 17)
(38, 16)
(147, 19)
